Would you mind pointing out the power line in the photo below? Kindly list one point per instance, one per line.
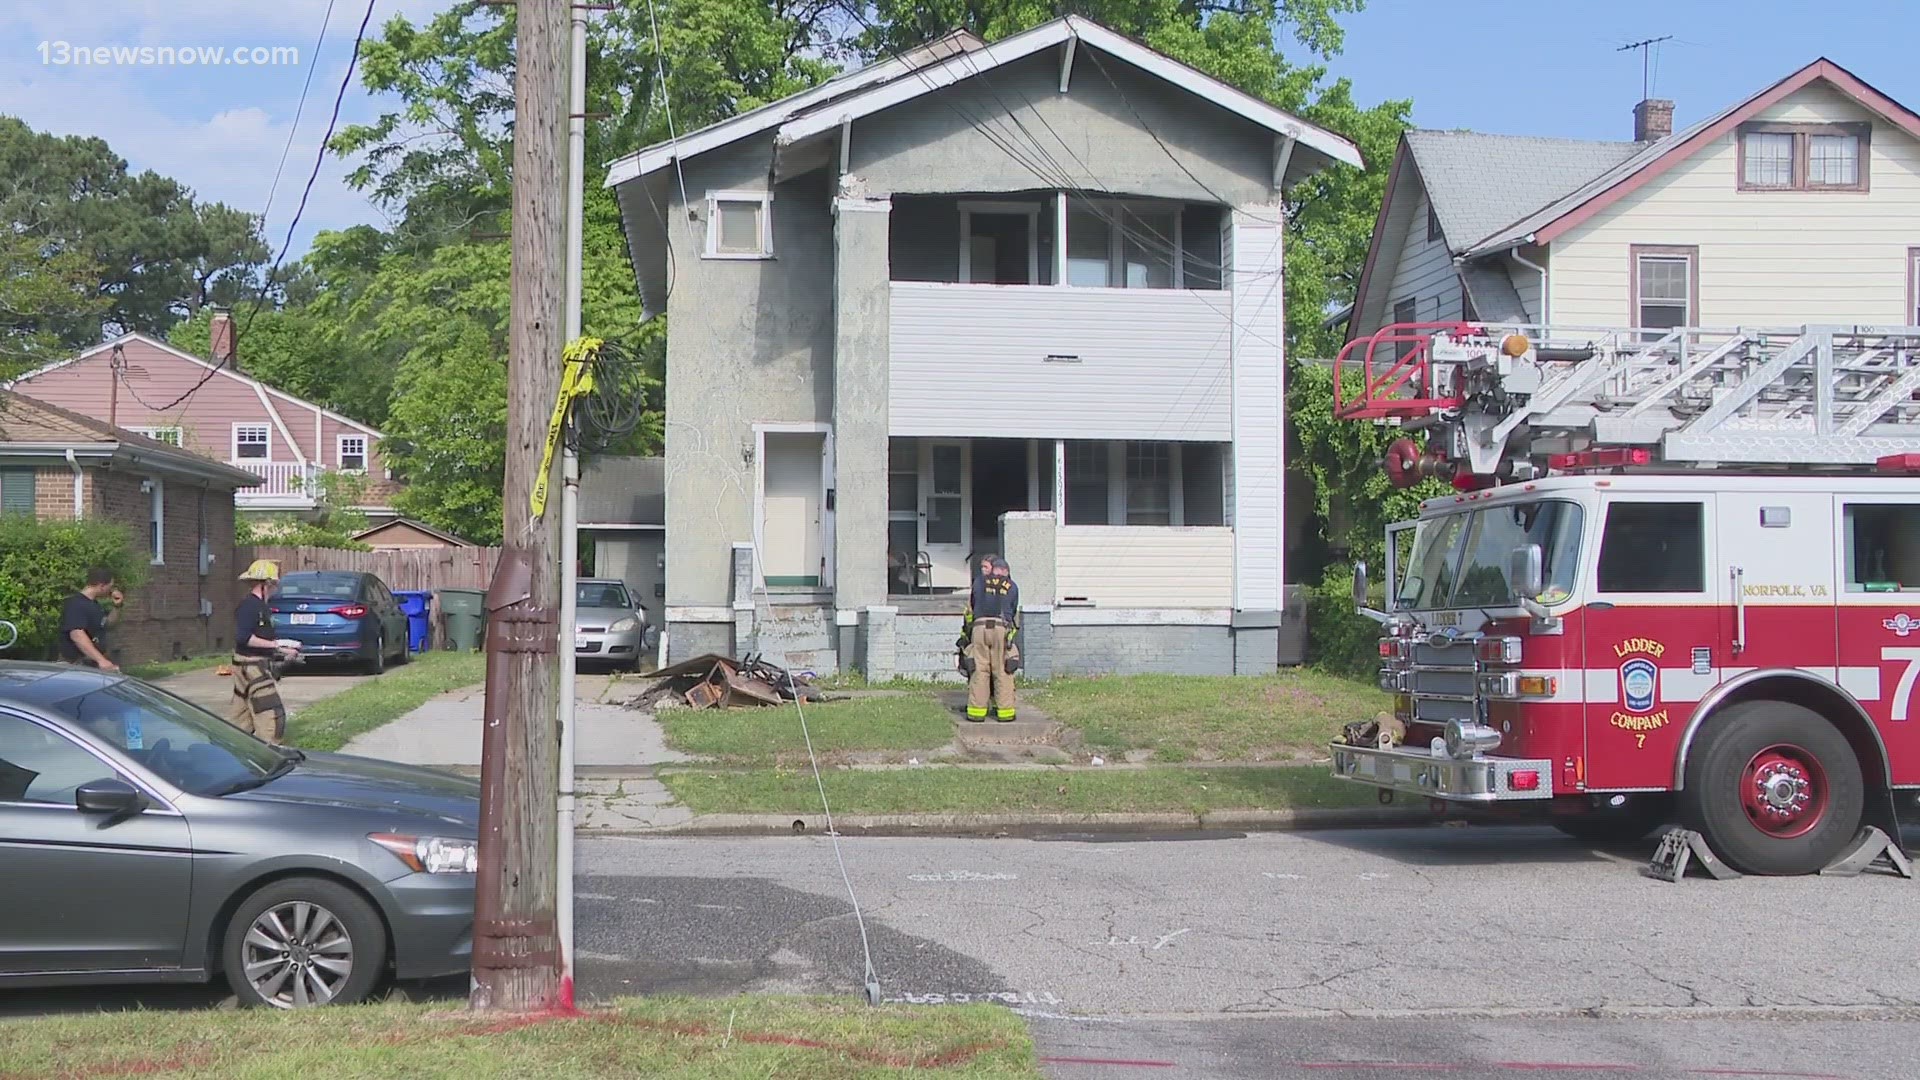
(319, 159)
(298, 109)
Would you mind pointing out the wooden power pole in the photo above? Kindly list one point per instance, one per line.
(515, 948)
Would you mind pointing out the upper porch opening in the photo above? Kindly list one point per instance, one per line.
(1052, 238)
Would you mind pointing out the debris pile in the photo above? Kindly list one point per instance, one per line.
(705, 682)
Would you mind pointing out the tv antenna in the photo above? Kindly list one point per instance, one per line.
(1646, 57)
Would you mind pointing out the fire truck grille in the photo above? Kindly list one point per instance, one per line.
(1443, 682)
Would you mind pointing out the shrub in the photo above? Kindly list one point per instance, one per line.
(44, 562)
(1339, 639)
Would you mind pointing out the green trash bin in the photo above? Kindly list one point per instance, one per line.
(466, 612)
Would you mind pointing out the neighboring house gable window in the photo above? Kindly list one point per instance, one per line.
(1433, 225)
(252, 442)
(157, 521)
(1405, 311)
(739, 225)
(353, 453)
(16, 491)
(1804, 157)
(1666, 287)
(1913, 284)
(169, 435)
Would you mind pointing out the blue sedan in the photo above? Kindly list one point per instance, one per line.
(341, 615)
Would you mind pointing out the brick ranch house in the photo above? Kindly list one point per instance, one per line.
(177, 506)
(214, 408)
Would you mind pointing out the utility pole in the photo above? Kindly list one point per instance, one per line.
(1646, 56)
(515, 951)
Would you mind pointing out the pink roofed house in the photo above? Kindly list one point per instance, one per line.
(215, 409)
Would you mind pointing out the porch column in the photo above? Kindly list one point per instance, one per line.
(859, 495)
(1259, 436)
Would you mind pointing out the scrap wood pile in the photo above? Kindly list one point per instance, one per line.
(705, 682)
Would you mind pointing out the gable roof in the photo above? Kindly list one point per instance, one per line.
(886, 83)
(1477, 181)
(417, 526)
(222, 370)
(1599, 192)
(622, 490)
(33, 428)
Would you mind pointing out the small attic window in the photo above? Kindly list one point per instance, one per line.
(1433, 225)
(739, 225)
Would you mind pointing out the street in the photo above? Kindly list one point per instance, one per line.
(1287, 954)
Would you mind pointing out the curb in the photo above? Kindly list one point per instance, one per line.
(1032, 824)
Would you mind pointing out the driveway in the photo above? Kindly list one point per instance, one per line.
(298, 689)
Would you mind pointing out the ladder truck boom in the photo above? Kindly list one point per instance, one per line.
(1497, 405)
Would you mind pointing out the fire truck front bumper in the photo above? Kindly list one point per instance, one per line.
(1479, 779)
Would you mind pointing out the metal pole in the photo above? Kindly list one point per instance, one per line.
(570, 497)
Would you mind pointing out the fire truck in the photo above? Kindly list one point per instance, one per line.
(1676, 579)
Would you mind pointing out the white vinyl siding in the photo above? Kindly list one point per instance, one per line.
(1144, 566)
(1766, 258)
(1059, 363)
(1425, 274)
(1259, 385)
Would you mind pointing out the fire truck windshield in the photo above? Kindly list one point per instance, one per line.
(1463, 559)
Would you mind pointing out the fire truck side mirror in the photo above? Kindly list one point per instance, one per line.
(1360, 585)
(1527, 572)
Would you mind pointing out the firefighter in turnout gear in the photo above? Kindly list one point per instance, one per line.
(988, 653)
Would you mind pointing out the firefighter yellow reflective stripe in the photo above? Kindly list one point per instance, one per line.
(576, 379)
(980, 711)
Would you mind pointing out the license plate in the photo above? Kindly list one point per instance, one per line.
(580, 641)
(304, 620)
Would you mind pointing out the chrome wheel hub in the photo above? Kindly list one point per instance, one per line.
(1783, 789)
(297, 954)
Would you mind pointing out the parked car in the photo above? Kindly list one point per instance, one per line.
(608, 623)
(145, 839)
(341, 615)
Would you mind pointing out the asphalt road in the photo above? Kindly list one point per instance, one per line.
(1357, 955)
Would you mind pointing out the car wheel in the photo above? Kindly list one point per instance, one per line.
(303, 942)
(404, 654)
(377, 662)
(1774, 788)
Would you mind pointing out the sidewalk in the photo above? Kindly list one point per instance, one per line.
(615, 749)
(298, 689)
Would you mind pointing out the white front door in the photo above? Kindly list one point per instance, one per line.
(791, 505)
(946, 510)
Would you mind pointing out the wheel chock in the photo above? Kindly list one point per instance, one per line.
(1871, 848)
(1680, 849)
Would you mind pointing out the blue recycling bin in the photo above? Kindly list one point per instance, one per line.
(415, 605)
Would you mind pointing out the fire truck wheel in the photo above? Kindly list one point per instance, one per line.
(1622, 826)
(1774, 787)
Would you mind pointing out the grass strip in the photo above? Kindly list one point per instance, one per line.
(960, 789)
(718, 1038)
(1279, 717)
(162, 669)
(902, 722)
(329, 724)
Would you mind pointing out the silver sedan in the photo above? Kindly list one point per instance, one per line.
(609, 625)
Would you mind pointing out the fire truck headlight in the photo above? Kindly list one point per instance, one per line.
(1465, 739)
(1515, 345)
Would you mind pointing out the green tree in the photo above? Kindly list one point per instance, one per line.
(43, 562)
(333, 523)
(40, 293)
(154, 253)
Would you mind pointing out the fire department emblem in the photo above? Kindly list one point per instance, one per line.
(1638, 677)
(1902, 624)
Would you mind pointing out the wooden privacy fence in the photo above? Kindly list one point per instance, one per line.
(401, 568)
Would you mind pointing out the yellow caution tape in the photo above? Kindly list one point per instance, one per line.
(576, 380)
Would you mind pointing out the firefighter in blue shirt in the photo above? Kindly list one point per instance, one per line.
(988, 653)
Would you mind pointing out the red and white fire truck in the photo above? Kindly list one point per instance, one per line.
(1678, 579)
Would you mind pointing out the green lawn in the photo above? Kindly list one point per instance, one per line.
(722, 1039)
(1202, 718)
(904, 722)
(161, 669)
(328, 724)
(938, 789)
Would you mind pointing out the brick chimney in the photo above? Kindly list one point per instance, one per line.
(220, 338)
(1652, 120)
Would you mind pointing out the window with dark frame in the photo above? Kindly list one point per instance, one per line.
(1405, 311)
(1087, 501)
(1653, 547)
(353, 453)
(1804, 157)
(1149, 483)
(1880, 556)
(1433, 225)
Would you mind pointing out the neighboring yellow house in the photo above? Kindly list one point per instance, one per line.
(1800, 204)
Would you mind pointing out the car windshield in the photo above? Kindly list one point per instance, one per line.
(601, 594)
(1463, 560)
(333, 586)
(186, 746)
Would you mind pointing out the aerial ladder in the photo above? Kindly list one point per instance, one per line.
(1492, 405)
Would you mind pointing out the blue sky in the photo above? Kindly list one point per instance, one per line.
(1544, 67)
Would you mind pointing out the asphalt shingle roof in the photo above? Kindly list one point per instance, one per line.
(1480, 184)
(621, 490)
